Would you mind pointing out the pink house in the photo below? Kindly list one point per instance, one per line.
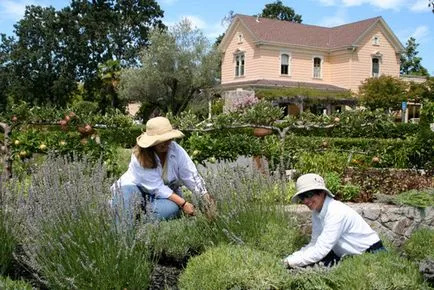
(262, 52)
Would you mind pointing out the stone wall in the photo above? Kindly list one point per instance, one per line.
(394, 223)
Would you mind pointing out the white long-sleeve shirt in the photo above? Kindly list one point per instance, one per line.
(336, 227)
(179, 168)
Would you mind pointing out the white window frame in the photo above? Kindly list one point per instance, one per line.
(282, 55)
(315, 74)
(376, 40)
(240, 64)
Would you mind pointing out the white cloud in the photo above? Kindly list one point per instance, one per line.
(420, 6)
(168, 2)
(382, 4)
(339, 18)
(327, 2)
(211, 31)
(13, 10)
(421, 33)
(195, 21)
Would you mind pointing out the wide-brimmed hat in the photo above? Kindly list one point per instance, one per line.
(158, 130)
(308, 182)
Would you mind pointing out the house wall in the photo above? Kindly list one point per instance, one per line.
(362, 60)
(345, 68)
(340, 68)
(251, 60)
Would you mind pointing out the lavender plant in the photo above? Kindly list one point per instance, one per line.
(8, 231)
(71, 241)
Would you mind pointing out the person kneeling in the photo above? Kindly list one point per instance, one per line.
(158, 168)
(337, 229)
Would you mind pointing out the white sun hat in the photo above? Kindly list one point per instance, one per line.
(308, 182)
(158, 130)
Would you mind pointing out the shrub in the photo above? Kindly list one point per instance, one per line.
(420, 245)
(8, 230)
(416, 198)
(8, 241)
(383, 270)
(175, 239)
(9, 284)
(71, 241)
(233, 267)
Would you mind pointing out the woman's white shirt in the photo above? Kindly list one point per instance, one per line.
(336, 227)
(179, 168)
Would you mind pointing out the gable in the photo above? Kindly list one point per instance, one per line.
(290, 34)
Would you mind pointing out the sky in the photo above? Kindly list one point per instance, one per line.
(406, 18)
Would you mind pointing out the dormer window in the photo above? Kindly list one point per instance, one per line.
(376, 40)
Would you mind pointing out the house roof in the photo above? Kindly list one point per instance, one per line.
(282, 84)
(272, 31)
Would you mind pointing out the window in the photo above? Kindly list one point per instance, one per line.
(240, 38)
(375, 67)
(317, 67)
(239, 64)
(376, 40)
(284, 64)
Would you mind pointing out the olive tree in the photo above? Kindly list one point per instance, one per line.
(177, 66)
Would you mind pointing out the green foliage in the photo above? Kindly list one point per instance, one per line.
(248, 213)
(220, 145)
(419, 246)
(275, 93)
(422, 151)
(9, 284)
(70, 239)
(56, 49)
(174, 68)
(416, 198)
(8, 240)
(175, 239)
(383, 270)
(262, 113)
(384, 92)
(410, 62)
(233, 267)
(277, 10)
(321, 162)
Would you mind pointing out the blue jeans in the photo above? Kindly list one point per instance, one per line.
(160, 208)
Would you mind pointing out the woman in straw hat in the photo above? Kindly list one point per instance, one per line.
(158, 167)
(337, 229)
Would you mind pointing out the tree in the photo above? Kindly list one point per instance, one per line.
(176, 67)
(410, 62)
(57, 49)
(5, 71)
(110, 73)
(41, 71)
(279, 11)
(385, 92)
(431, 4)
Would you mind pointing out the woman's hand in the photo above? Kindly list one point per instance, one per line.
(188, 209)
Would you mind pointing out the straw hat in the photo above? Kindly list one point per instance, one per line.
(308, 182)
(158, 130)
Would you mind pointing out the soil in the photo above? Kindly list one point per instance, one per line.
(165, 277)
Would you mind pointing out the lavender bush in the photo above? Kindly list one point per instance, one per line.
(70, 237)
